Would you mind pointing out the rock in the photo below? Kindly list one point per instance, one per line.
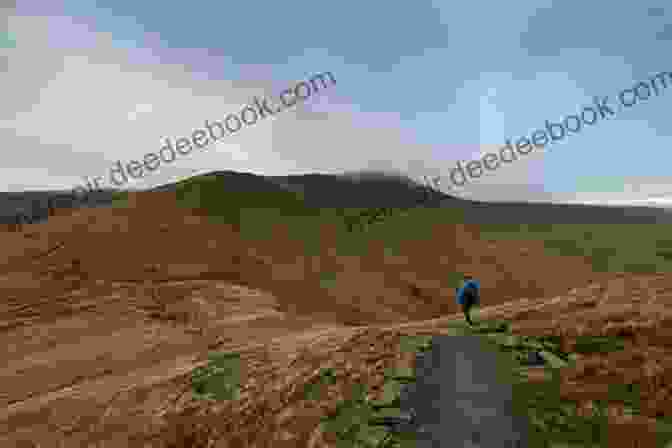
(534, 358)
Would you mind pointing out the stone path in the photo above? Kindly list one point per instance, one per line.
(460, 400)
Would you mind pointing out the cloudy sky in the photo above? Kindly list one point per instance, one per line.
(419, 86)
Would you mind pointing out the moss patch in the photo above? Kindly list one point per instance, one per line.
(219, 379)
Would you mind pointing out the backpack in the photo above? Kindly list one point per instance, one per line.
(470, 292)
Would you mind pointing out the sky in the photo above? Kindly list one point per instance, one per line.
(419, 86)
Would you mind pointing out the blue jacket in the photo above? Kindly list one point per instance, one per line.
(460, 291)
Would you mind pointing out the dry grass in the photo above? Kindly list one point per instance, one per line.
(101, 301)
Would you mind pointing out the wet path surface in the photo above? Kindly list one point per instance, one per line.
(459, 398)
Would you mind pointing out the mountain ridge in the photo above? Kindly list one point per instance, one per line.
(365, 189)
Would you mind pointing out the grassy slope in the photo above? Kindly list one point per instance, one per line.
(631, 248)
(635, 248)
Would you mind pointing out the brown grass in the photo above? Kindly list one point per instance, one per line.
(105, 312)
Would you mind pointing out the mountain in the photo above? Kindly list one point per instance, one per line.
(376, 189)
(355, 190)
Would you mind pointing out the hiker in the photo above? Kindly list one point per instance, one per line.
(468, 295)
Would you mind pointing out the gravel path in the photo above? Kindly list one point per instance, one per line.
(459, 400)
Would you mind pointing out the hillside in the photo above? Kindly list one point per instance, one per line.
(357, 190)
(106, 311)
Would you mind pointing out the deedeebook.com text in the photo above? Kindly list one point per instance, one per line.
(210, 133)
(556, 132)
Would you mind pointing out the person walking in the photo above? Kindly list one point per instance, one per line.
(467, 296)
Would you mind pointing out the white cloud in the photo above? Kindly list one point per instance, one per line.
(89, 107)
(76, 111)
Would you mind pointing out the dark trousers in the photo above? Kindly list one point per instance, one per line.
(466, 308)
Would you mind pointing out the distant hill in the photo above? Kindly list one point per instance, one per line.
(34, 204)
(325, 190)
(540, 213)
(224, 194)
(371, 189)
(303, 193)
(363, 190)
